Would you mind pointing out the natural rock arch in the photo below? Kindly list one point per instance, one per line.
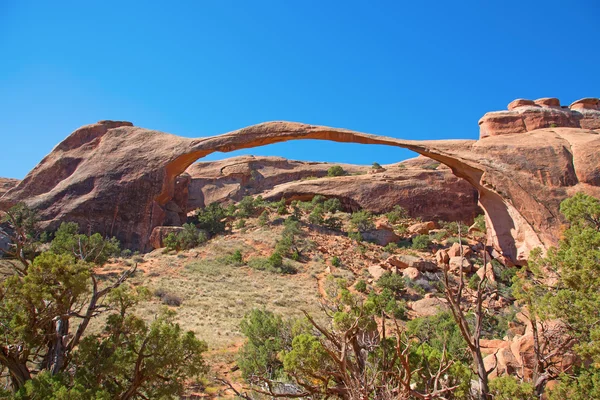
(119, 178)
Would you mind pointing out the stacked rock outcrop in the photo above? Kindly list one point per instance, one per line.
(528, 115)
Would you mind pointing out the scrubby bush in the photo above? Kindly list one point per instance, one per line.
(335, 261)
(361, 286)
(91, 248)
(509, 388)
(316, 216)
(332, 222)
(241, 223)
(385, 302)
(390, 247)
(376, 165)
(336, 170)
(474, 281)
(168, 298)
(397, 214)
(355, 236)
(332, 205)
(421, 242)
(362, 221)
(189, 238)
(480, 222)
(246, 207)
(263, 219)
(211, 219)
(452, 227)
(393, 282)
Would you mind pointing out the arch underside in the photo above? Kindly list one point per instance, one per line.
(508, 232)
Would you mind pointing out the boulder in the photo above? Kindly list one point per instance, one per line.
(547, 102)
(412, 273)
(428, 306)
(488, 271)
(457, 262)
(442, 257)
(521, 103)
(376, 271)
(403, 261)
(421, 228)
(159, 234)
(590, 103)
(381, 237)
(455, 249)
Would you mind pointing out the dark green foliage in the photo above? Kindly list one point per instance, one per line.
(390, 247)
(474, 281)
(281, 207)
(335, 261)
(267, 335)
(361, 286)
(241, 223)
(438, 331)
(575, 296)
(316, 216)
(187, 239)
(336, 170)
(355, 236)
(393, 282)
(452, 227)
(332, 223)
(318, 199)
(22, 223)
(507, 275)
(263, 219)
(362, 221)
(396, 215)
(385, 302)
(332, 205)
(91, 248)
(246, 207)
(480, 222)
(376, 165)
(509, 388)
(421, 242)
(583, 386)
(211, 219)
(453, 240)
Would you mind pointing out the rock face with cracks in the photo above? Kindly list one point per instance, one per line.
(121, 180)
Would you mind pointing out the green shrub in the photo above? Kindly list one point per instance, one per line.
(189, 238)
(246, 207)
(362, 221)
(168, 298)
(91, 248)
(398, 213)
(392, 282)
(474, 281)
(281, 207)
(376, 165)
(361, 286)
(335, 261)
(452, 227)
(480, 222)
(333, 223)
(385, 301)
(509, 388)
(332, 205)
(336, 170)
(453, 240)
(267, 336)
(390, 247)
(507, 274)
(263, 219)
(210, 219)
(355, 236)
(440, 331)
(240, 224)
(421, 242)
(316, 216)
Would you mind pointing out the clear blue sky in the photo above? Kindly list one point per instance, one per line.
(414, 70)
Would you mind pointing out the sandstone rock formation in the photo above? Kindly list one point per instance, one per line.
(121, 179)
(528, 115)
(422, 186)
(6, 184)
